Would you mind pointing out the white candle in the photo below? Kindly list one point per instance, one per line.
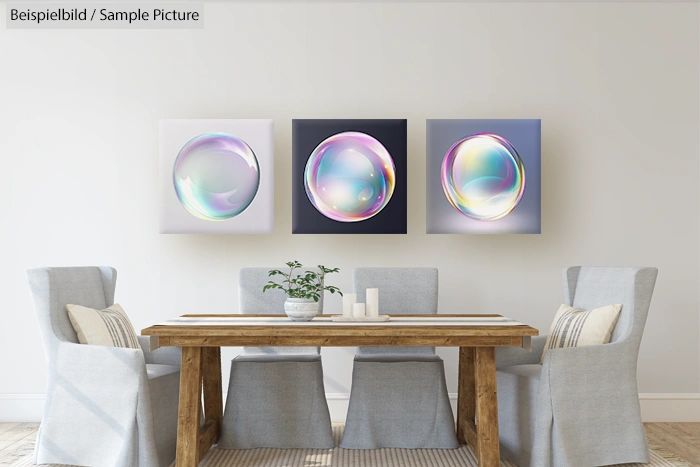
(372, 303)
(358, 310)
(349, 300)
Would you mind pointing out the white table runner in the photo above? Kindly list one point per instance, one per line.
(325, 320)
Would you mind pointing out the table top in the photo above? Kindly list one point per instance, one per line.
(280, 325)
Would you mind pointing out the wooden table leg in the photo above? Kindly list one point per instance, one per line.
(213, 401)
(189, 410)
(466, 398)
(489, 454)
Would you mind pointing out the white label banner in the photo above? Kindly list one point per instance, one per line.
(105, 16)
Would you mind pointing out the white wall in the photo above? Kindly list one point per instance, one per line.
(615, 84)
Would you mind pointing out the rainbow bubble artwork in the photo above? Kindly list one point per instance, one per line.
(350, 177)
(483, 177)
(216, 176)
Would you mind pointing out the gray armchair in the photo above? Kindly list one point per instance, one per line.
(276, 396)
(105, 406)
(581, 406)
(399, 397)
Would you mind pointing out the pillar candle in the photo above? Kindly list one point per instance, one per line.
(349, 300)
(358, 310)
(372, 303)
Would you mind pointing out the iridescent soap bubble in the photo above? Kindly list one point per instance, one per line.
(483, 176)
(216, 176)
(350, 177)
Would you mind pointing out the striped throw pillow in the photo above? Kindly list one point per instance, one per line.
(110, 327)
(573, 327)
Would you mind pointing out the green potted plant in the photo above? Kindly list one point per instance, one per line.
(303, 289)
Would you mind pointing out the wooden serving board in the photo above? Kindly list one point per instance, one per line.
(342, 319)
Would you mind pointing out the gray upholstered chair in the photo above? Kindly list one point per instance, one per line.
(276, 397)
(105, 406)
(399, 395)
(581, 406)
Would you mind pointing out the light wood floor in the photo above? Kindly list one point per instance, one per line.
(681, 439)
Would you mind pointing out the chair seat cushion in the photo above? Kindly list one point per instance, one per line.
(279, 350)
(156, 371)
(394, 358)
(395, 350)
(276, 358)
(532, 371)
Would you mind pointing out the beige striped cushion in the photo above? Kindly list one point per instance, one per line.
(110, 327)
(573, 327)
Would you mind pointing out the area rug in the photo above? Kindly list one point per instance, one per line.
(462, 457)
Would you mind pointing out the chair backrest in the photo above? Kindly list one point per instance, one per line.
(252, 300)
(54, 288)
(590, 287)
(402, 291)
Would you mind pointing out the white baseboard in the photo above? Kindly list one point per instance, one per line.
(656, 407)
(21, 407)
(674, 407)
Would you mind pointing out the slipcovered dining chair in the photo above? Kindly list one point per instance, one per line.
(580, 407)
(276, 397)
(399, 395)
(105, 406)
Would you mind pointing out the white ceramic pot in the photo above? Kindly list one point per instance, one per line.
(301, 309)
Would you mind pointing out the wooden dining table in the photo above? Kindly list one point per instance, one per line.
(202, 336)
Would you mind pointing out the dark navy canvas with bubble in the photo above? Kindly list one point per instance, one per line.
(349, 176)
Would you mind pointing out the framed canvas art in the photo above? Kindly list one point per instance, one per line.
(349, 177)
(483, 176)
(216, 176)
